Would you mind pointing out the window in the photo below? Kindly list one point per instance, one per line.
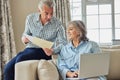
(75, 6)
(98, 18)
(101, 18)
(117, 19)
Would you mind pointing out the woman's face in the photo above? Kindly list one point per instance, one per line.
(72, 32)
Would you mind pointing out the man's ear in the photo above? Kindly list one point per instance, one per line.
(39, 10)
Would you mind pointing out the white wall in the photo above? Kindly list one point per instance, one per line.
(19, 10)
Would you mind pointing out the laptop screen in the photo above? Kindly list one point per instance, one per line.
(92, 65)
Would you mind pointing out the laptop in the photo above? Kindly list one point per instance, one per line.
(93, 65)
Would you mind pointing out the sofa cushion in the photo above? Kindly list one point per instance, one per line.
(47, 70)
(26, 70)
(54, 59)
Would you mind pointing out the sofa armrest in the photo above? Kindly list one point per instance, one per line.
(26, 70)
(114, 69)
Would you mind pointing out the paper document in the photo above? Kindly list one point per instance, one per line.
(40, 42)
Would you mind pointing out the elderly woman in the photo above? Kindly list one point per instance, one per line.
(68, 59)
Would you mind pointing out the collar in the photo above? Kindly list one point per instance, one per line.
(38, 17)
(39, 20)
(71, 45)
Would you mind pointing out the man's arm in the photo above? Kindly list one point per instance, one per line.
(26, 31)
(60, 40)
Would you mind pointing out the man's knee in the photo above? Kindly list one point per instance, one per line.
(20, 58)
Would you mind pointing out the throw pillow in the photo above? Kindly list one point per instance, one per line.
(47, 70)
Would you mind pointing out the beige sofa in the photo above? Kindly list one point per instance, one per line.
(32, 69)
(114, 69)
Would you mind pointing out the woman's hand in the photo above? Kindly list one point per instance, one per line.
(72, 74)
(48, 51)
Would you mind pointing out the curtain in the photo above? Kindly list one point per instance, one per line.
(7, 43)
(62, 11)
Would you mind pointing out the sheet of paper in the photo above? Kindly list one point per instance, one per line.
(40, 42)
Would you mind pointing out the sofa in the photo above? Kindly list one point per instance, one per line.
(114, 68)
(47, 70)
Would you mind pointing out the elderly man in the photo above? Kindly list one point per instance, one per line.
(42, 25)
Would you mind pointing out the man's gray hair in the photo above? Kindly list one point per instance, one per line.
(49, 3)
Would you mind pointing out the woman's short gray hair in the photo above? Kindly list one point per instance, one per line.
(49, 3)
(80, 27)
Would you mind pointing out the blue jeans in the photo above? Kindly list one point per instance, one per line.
(27, 54)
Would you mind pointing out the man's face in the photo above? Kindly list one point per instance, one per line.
(46, 13)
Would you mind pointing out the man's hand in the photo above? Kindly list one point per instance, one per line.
(72, 74)
(25, 40)
(48, 51)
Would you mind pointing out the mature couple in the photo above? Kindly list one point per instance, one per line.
(45, 26)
